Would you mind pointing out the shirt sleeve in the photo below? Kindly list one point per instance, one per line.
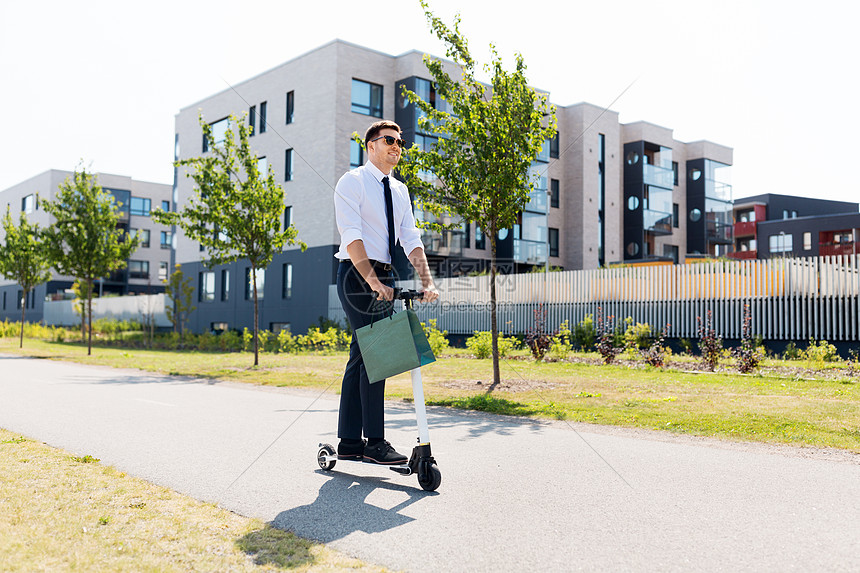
(347, 208)
(410, 236)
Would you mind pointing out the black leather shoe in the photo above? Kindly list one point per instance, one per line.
(383, 453)
(351, 450)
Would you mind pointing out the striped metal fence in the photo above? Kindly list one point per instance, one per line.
(789, 299)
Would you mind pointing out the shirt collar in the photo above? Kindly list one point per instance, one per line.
(374, 170)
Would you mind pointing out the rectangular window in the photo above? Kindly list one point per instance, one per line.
(206, 292)
(263, 166)
(287, 291)
(165, 206)
(675, 173)
(553, 242)
(263, 110)
(249, 286)
(144, 236)
(166, 240)
(219, 326)
(781, 243)
(4, 300)
(277, 327)
(288, 217)
(252, 119)
(675, 215)
(356, 154)
(671, 251)
(20, 299)
(467, 234)
(807, 241)
(291, 100)
(785, 213)
(225, 284)
(288, 165)
(554, 193)
(138, 269)
(554, 146)
(162, 271)
(366, 98)
(480, 240)
(218, 130)
(28, 203)
(140, 206)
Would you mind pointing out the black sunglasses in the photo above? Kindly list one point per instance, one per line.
(390, 140)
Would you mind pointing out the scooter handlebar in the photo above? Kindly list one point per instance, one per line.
(401, 294)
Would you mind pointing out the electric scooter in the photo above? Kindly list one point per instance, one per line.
(421, 462)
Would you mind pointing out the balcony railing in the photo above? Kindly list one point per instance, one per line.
(657, 222)
(448, 243)
(745, 229)
(719, 232)
(743, 255)
(538, 201)
(531, 252)
(658, 176)
(833, 249)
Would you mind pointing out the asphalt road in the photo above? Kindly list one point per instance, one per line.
(515, 495)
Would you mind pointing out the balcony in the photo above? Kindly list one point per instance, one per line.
(718, 232)
(835, 249)
(658, 176)
(531, 252)
(743, 255)
(745, 229)
(657, 222)
(538, 201)
(448, 243)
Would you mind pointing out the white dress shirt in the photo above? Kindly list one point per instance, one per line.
(359, 208)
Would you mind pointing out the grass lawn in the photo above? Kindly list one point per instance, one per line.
(65, 513)
(786, 403)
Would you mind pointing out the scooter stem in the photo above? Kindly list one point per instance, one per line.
(420, 412)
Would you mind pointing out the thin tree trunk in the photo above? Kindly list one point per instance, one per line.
(23, 310)
(256, 318)
(494, 324)
(89, 317)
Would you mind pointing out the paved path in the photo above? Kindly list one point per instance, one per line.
(515, 495)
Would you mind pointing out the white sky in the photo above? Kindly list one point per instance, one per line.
(776, 80)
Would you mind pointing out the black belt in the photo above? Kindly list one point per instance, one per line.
(376, 264)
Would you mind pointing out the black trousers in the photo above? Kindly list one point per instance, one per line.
(361, 403)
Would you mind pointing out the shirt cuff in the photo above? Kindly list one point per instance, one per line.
(350, 235)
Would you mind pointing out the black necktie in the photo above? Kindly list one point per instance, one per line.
(389, 214)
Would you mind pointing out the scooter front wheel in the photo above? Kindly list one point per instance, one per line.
(430, 479)
(325, 450)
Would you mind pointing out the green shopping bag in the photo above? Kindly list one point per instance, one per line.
(393, 345)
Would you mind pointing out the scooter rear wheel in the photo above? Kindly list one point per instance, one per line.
(325, 450)
(430, 480)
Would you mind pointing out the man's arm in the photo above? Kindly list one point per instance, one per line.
(358, 256)
(419, 261)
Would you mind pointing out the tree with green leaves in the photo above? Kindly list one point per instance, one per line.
(83, 241)
(22, 258)
(489, 137)
(180, 291)
(235, 211)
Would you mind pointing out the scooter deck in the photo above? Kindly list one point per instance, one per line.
(402, 469)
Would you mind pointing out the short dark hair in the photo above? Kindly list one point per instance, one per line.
(378, 126)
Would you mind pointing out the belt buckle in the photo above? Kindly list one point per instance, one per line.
(386, 266)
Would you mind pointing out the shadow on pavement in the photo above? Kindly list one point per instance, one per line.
(341, 508)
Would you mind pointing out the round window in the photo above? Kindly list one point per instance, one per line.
(503, 234)
(695, 174)
(633, 248)
(695, 215)
(632, 158)
(633, 203)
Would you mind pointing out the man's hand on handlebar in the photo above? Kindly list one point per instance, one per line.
(383, 292)
(430, 294)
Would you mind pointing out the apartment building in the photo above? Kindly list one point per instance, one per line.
(605, 192)
(147, 267)
(774, 225)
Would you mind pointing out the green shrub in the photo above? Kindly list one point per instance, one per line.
(561, 343)
(636, 336)
(818, 354)
(287, 342)
(585, 333)
(792, 352)
(438, 339)
(481, 344)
